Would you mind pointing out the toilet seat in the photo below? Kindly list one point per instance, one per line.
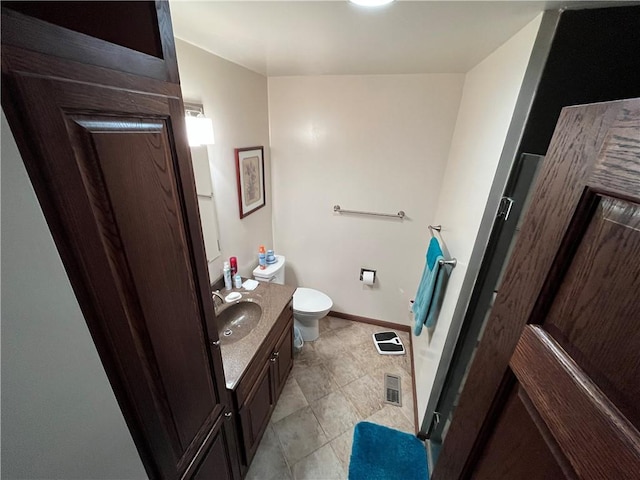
(308, 300)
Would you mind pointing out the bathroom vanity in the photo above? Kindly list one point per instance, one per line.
(256, 362)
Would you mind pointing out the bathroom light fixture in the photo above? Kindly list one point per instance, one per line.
(371, 3)
(199, 127)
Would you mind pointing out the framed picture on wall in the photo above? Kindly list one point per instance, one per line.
(250, 174)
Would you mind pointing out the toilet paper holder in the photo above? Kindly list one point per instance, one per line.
(365, 270)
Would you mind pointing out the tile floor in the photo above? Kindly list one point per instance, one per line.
(335, 382)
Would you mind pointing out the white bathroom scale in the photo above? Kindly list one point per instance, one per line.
(388, 343)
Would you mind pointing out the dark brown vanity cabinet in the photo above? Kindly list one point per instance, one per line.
(98, 119)
(259, 388)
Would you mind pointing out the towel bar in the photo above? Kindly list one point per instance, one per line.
(453, 262)
(400, 214)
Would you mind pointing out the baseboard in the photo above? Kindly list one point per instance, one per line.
(371, 321)
(416, 425)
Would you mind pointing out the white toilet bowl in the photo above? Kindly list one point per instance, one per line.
(309, 306)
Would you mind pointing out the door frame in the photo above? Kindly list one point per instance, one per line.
(495, 259)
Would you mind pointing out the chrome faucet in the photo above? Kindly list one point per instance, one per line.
(217, 294)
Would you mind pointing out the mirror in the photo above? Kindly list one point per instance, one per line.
(206, 201)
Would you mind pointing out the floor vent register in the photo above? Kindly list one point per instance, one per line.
(392, 389)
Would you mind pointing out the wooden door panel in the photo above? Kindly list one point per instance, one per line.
(616, 168)
(215, 465)
(517, 450)
(595, 315)
(114, 179)
(216, 461)
(134, 164)
(592, 433)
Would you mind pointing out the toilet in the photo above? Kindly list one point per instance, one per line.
(309, 305)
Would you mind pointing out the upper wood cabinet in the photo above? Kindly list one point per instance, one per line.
(132, 37)
(101, 131)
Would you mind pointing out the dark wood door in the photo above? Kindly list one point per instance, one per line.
(107, 153)
(553, 391)
(217, 460)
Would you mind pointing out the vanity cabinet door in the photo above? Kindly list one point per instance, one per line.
(283, 358)
(256, 411)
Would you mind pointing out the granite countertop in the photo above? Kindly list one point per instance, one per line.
(236, 356)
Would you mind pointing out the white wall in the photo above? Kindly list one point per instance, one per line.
(490, 92)
(236, 100)
(60, 418)
(376, 143)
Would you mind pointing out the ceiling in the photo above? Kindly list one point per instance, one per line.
(340, 38)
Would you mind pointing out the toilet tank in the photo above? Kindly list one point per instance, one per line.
(274, 273)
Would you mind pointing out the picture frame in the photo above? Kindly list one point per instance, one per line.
(250, 178)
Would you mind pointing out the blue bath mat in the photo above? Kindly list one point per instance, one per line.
(381, 453)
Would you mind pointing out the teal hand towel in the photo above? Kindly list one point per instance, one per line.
(438, 291)
(424, 306)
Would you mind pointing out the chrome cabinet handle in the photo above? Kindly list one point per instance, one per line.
(215, 343)
(272, 359)
(276, 354)
(228, 415)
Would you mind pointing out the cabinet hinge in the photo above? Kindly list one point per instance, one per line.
(504, 209)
